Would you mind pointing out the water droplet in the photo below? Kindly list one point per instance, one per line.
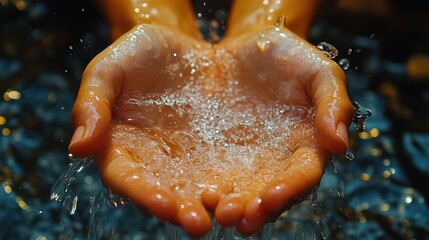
(71, 47)
(349, 155)
(344, 63)
(73, 206)
(330, 50)
(340, 190)
(263, 41)
(214, 36)
(281, 21)
(359, 116)
(314, 196)
(350, 51)
(333, 166)
(116, 200)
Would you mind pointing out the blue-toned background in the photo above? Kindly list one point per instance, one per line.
(381, 194)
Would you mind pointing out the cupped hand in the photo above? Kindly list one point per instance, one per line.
(183, 128)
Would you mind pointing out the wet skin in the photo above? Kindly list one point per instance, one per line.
(272, 62)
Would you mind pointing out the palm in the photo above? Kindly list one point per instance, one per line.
(226, 128)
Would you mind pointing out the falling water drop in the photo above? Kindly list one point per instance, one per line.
(116, 200)
(314, 196)
(281, 21)
(328, 49)
(333, 166)
(344, 63)
(73, 205)
(214, 36)
(172, 231)
(359, 116)
(340, 190)
(349, 155)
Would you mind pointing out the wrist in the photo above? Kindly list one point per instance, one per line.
(249, 15)
(125, 14)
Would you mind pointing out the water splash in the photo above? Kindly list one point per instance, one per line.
(218, 231)
(328, 49)
(95, 223)
(359, 116)
(171, 231)
(61, 190)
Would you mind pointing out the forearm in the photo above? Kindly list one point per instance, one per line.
(251, 14)
(125, 14)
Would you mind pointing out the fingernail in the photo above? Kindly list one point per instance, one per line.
(342, 133)
(77, 135)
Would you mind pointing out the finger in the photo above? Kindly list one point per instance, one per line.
(305, 172)
(193, 217)
(123, 176)
(254, 218)
(230, 209)
(212, 194)
(91, 114)
(333, 107)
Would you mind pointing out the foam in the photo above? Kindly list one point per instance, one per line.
(210, 128)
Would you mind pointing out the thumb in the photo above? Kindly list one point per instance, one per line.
(333, 108)
(91, 114)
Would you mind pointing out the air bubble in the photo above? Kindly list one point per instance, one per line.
(327, 48)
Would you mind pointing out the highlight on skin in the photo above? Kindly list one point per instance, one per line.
(187, 130)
